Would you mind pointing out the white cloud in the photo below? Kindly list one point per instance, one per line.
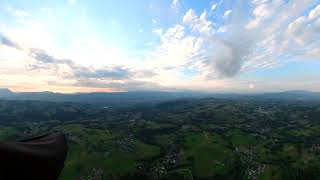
(173, 34)
(154, 21)
(175, 52)
(31, 33)
(227, 13)
(262, 11)
(157, 31)
(48, 71)
(314, 13)
(304, 30)
(200, 24)
(217, 58)
(100, 54)
(258, 2)
(223, 29)
(175, 3)
(283, 34)
(213, 7)
(18, 12)
(252, 86)
(263, 41)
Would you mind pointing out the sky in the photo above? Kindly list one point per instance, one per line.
(208, 45)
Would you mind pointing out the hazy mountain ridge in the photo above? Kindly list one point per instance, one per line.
(151, 96)
(101, 97)
(293, 95)
(4, 92)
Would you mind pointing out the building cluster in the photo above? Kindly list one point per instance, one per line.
(160, 168)
(95, 174)
(126, 144)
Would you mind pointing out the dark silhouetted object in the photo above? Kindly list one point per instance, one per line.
(36, 158)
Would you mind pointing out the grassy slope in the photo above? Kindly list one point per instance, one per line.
(208, 152)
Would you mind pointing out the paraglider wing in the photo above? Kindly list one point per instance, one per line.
(40, 157)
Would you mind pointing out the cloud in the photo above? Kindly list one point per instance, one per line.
(47, 64)
(252, 86)
(114, 73)
(223, 29)
(231, 56)
(8, 42)
(43, 58)
(314, 13)
(202, 50)
(174, 33)
(176, 48)
(212, 56)
(111, 77)
(175, 3)
(305, 30)
(144, 74)
(213, 7)
(29, 32)
(283, 34)
(224, 58)
(219, 57)
(45, 61)
(174, 54)
(263, 10)
(237, 48)
(131, 85)
(275, 35)
(18, 12)
(227, 13)
(200, 24)
(157, 31)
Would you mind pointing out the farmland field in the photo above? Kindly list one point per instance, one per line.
(196, 139)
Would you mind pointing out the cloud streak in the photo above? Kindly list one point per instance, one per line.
(8, 42)
(117, 77)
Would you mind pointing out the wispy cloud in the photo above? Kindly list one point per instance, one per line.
(8, 42)
(213, 6)
(158, 31)
(68, 69)
(175, 3)
(227, 13)
(18, 12)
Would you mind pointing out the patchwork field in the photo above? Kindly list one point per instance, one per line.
(203, 139)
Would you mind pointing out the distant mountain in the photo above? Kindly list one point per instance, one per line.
(4, 92)
(292, 95)
(135, 97)
(116, 98)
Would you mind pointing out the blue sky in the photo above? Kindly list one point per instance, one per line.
(210, 45)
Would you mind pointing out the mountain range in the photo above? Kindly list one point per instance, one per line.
(150, 96)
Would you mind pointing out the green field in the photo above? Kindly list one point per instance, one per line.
(200, 139)
(208, 153)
